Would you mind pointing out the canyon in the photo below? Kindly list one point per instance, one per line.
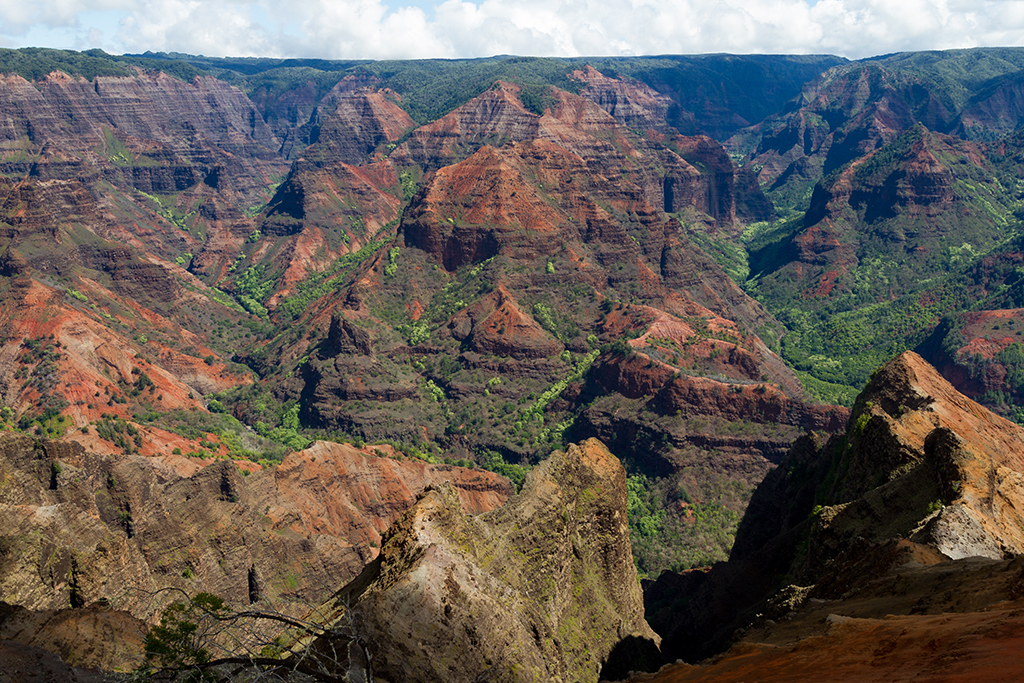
(272, 327)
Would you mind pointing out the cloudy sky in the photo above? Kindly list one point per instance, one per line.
(379, 29)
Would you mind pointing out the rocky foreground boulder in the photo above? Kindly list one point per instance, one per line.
(541, 589)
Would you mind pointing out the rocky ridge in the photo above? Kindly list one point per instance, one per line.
(543, 587)
(81, 527)
(920, 492)
(484, 285)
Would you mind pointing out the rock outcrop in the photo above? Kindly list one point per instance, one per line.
(632, 104)
(542, 588)
(94, 637)
(78, 527)
(922, 475)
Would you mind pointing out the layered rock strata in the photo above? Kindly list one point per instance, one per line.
(78, 527)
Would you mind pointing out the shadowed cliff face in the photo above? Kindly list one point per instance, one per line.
(868, 642)
(847, 112)
(904, 514)
(542, 588)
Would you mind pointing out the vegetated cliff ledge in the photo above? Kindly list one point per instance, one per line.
(914, 511)
(78, 527)
(540, 589)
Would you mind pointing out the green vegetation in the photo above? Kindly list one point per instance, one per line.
(319, 284)
(409, 184)
(646, 515)
(699, 536)
(901, 271)
(908, 272)
(287, 432)
(392, 267)
(237, 441)
(166, 207)
(182, 639)
(535, 413)
(120, 433)
(40, 370)
(431, 88)
(252, 289)
(34, 64)
(492, 460)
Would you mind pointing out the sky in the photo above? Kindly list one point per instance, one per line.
(413, 29)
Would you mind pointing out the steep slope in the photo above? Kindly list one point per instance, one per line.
(894, 218)
(865, 640)
(43, 645)
(80, 527)
(923, 473)
(445, 286)
(994, 112)
(847, 112)
(512, 272)
(918, 196)
(62, 126)
(542, 588)
(524, 238)
(112, 188)
(634, 105)
(979, 352)
(720, 94)
(586, 125)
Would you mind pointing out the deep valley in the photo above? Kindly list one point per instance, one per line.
(569, 368)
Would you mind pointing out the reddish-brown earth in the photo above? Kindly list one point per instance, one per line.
(155, 226)
(477, 287)
(940, 648)
(967, 351)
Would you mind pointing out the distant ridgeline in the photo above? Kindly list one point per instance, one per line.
(751, 87)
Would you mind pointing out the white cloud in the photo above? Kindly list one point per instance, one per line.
(196, 26)
(340, 29)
